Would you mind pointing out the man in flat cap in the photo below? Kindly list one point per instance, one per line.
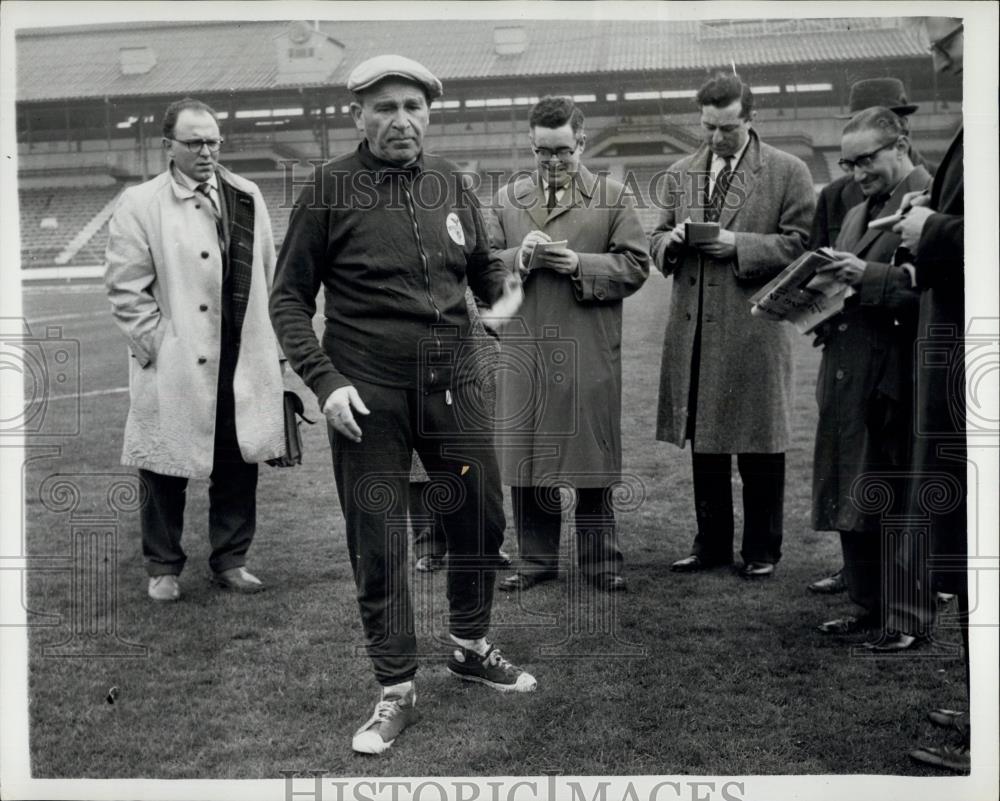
(394, 236)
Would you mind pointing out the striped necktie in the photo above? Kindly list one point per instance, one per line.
(718, 199)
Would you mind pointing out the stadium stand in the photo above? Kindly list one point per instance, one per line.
(89, 99)
(52, 218)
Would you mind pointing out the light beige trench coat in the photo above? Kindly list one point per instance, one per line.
(164, 279)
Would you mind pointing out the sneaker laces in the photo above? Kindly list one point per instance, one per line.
(386, 708)
(497, 659)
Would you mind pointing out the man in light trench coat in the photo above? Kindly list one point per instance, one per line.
(190, 260)
(726, 378)
(559, 382)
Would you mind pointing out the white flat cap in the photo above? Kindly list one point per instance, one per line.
(370, 72)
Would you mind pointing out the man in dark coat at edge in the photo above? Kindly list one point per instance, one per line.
(933, 233)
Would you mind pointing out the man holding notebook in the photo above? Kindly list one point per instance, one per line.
(726, 378)
(577, 240)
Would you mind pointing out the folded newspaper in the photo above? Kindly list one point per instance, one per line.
(801, 294)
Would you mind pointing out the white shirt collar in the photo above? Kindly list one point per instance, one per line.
(189, 183)
(718, 162)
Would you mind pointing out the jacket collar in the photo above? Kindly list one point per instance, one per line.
(183, 192)
(917, 178)
(385, 169)
(746, 171)
(528, 191)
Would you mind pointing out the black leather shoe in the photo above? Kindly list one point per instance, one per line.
(693, 564)
(428, 564)
(829, 585)
(523, 581)
(848, 625)
(610, 582)
(891, 643)
(756, 570)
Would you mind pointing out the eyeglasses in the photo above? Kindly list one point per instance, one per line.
(941, 44)
(195, 145)
(865, 160)
(561, 153)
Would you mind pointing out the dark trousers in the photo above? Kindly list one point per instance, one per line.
(232, 497)
(863, 561)
(538, 516)
(373, 486)
(763, 477)
(428, 534)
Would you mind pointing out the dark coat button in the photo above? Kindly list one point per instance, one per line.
(204, 254)
(687, 316)
(202, 360)
(203, 307)
(599, 294)
(197, 205)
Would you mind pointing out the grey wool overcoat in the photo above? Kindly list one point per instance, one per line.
(559, 383)
(745, 371)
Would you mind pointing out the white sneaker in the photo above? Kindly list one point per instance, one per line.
(392, 714)
(164, 588)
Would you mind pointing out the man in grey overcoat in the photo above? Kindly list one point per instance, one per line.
(559, 383)
(726, 377)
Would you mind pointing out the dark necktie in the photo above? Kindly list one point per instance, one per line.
(551, 201)
(718, 199)
(875, 206)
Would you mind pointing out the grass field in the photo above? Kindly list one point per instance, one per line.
(683, 675)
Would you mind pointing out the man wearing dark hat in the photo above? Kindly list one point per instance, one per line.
(842, 194)
(395, 236)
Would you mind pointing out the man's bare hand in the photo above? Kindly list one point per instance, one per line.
(722, 248)
(677, 237)
(339, 411)
(911, 199)
(510, 301)
(560, 260)
(528, 246)
(911, 227)
(848, 268)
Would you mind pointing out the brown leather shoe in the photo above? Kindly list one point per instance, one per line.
(238, 579)
(523, 581)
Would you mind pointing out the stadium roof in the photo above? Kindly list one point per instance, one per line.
(214, 57)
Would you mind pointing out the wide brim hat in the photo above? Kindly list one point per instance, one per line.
(370, 72)
(871, 92)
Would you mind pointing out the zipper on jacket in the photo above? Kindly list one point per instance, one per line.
(432, 373)
(423, 256)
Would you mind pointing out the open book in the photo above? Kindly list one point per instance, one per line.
(801, 295)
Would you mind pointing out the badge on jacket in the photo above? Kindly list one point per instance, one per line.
(455, 230)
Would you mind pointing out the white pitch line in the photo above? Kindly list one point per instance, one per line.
(91, 394)
(56, 318)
